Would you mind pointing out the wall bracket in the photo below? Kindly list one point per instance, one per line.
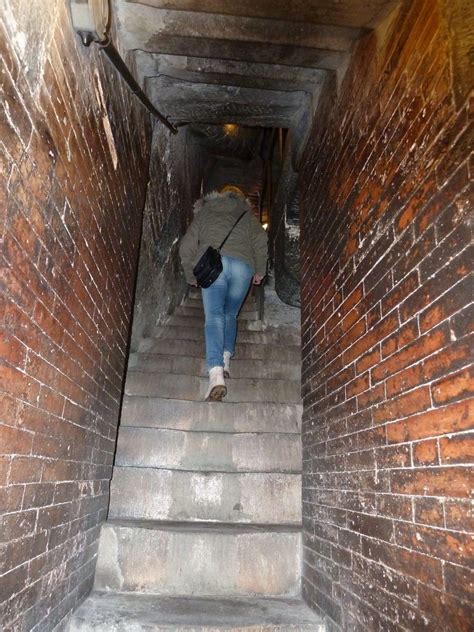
(91, 20)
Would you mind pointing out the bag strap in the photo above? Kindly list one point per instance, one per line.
(228, 234)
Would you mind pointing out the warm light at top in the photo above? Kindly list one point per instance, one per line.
(230, 129)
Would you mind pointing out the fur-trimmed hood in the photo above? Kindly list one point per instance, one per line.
(214, 216)
(215, 195)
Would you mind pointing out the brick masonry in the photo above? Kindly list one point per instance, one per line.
(386, 322)
(75, 148)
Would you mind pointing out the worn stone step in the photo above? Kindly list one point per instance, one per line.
(157, 412)
(200, 559)
(208, 451)
(269, 336)
(162, 494)
(243, 351)
(127, 612)
(190, 387)
(191, 365)
(198, 312)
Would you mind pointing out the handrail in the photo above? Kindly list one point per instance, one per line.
(114, 56)
(91, 21)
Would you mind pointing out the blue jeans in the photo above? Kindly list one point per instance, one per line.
(222, 302)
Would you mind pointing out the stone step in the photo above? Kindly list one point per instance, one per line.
(200, 560)
(162, 494)
(243, 351)
(198, 312)
(189, 387)
(191, 365)
(126, 612)
(275, 336)
(197, 322)
(208, 451)
(175, 414)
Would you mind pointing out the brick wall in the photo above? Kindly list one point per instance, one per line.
(386, 347)
(74, 148)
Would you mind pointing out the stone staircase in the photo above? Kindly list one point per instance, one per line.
(204, 523)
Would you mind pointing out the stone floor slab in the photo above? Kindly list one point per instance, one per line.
(106, 612)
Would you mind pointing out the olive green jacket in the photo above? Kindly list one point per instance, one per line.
(214, 217)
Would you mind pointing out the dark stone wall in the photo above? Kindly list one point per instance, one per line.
(75, 148)
(385, 258)
(284, 230)
(174, 184)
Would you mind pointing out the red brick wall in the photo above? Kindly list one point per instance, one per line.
(71, 225)
(386, 348)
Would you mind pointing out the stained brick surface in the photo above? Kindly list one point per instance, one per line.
(386, 348)
(74, 147)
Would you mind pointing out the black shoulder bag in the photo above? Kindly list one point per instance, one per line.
(209, 266)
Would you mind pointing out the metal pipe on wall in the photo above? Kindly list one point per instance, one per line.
(91, 20)
(118, 63)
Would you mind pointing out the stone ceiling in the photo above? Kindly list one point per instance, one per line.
(251, 62)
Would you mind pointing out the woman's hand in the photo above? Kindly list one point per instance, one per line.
(257, 279)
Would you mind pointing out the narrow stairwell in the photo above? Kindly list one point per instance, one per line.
(204, 525)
